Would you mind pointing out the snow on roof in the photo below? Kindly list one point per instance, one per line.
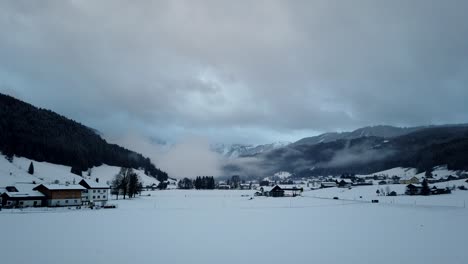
(289, 186)
(24, 194)
(57, 187)
(96, 185)
(267, 188)
(25, 190)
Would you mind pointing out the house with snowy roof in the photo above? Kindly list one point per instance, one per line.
(410, 180)
(345, 183)
(61, 195)
(22, 195)
(279, 191)
(95, 192)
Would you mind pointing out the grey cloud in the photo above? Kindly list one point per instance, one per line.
(236, 69)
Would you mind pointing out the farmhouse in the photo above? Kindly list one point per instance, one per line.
(345, 183)
(410, 180)
(95, 192)
(413, 189)
(22, 196)
(61, 195)
(279, 191)
(276, 192)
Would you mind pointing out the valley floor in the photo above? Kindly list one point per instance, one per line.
(179, 226)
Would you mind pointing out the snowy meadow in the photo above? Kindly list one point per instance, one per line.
(177, 226)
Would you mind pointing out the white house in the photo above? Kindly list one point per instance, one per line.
(95, 192)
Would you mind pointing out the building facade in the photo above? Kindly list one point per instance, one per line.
(95, 192)
(61, 195)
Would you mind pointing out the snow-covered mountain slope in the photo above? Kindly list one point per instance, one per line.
(279, 176)
(243, 150)
(438, 172)
(44, 172)
(369, 131)
(398, 171)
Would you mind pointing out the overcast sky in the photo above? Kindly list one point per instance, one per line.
(238, 71)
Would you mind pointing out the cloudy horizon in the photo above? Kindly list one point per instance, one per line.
(238, 72)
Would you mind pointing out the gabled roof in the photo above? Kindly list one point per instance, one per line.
(24, 194)
(266, 188)
(346, 180)
(24, 191)
(59, 187)
(89, 184)
(276, 188)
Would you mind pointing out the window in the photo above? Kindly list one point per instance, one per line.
(21, 203)
(66, 201)
(104, 197)
(76, 201)
(94, 197)
(94, 191)
(99, 197)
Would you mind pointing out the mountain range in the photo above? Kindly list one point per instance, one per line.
(363, 151)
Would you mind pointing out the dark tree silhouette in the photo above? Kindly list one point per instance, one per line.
(31, 168)
(425, 188)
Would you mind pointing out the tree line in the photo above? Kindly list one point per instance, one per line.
(200, 183)
(126, 183)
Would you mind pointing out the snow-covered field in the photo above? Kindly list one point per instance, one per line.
(179, 226)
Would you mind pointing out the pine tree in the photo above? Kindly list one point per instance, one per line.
(31, 168)
(425, 188)
(76, 171)
(133, 183)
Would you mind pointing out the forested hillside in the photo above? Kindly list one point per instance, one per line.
(43, 135)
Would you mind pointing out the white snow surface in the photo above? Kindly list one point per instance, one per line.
(438, 173)
(44, 172)
(398, 171)
(177, 226)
